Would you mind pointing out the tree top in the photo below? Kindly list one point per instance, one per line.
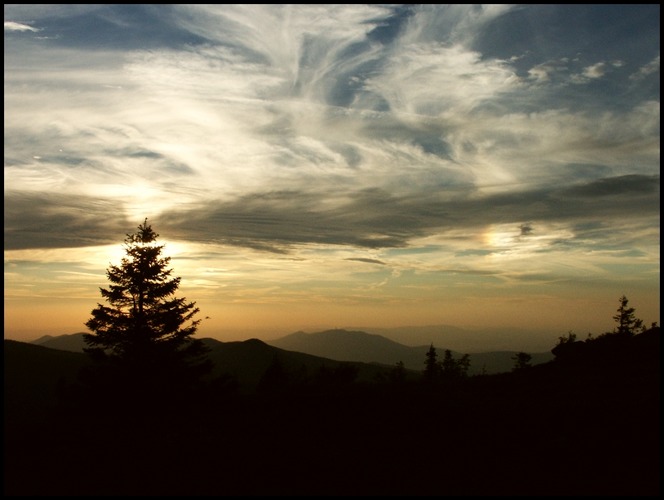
(145, 234)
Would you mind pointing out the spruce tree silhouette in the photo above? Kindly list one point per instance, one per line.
(431, 371)
(627, 322)
(454, 369)
(397, 375)
(142, 341)
(521, 361)
(449, 369)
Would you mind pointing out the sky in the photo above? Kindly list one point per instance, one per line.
(334, 166)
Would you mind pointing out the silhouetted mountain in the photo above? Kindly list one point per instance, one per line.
(248, 360)
(72, 342)
(364, 347)
(32, 374)
(346, 345)
(338, 345)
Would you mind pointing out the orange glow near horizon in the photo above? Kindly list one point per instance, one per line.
(257, 295)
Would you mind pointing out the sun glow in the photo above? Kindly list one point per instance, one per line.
(501, 237)
(520, 240)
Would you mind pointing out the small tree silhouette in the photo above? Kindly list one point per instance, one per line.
(448, 369)
(146, 332)
(570, 338)
(431, 366)
(398, 374)
(452, 369)
(627, 323)
(521, 361)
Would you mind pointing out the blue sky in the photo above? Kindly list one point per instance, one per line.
(335, 165)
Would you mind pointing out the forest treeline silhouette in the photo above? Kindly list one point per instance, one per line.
(150, 415)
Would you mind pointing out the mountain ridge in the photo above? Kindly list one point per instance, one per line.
(359, 346)
(246, 361)
(344, 345)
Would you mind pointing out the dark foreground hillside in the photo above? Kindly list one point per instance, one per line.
(584, 424)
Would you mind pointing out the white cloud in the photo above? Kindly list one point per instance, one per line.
(548, 71)
(453, 23)
(14, 26)
(432, 79)
(595, 71)
(286, 38)
(558, 71)
(246, 114)
(592, 72)
(647, 69)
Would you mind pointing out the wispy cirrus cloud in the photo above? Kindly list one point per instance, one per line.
(274, 116)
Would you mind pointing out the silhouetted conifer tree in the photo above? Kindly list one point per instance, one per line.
(431, 366)
(454, 368)
(521, 361)
(144, 335)
(398, 374)
(627, 323)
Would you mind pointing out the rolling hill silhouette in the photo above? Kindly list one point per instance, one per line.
(248, 360)
(339, 345)
(72, 342)
(32, 372)
(31, 377)
(344, 345)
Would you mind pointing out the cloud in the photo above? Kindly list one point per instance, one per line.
(42, 220)
(526, 229)
(368, 261)
(454, 24)
(281, 221)
(286, 126)
(646, 70)
(423, 80)
(242, 111)
(14, 26)
(626, 185)
(545, 72)
(307, 46)
(589, 73)
(562, 72)
(594, 71)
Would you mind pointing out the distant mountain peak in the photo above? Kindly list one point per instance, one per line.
(254, 341)
(343, 331)
(42, 339)
(69, 342)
